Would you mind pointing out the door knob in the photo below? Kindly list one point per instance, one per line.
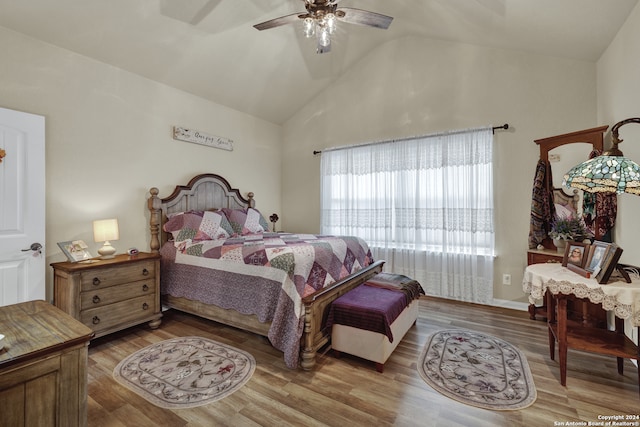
(35, 247)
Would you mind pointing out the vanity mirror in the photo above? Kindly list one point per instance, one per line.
(558, 154)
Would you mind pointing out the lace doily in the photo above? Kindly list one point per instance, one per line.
(621, 298)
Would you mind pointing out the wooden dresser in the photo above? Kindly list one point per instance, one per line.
(43, 366)
(110, 295)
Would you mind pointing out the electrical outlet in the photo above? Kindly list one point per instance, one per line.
(506, 279)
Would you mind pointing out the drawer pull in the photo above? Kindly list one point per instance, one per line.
(145, 306)
(96, 299)
(145, 287)
(95, 320)
(145, 272)
(96, 281)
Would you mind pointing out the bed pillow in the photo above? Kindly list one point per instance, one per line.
(197, 226)
(246, 221)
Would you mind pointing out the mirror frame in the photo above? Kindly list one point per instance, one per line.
(593, 136)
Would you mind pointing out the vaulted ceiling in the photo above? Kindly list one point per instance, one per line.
(210, 48)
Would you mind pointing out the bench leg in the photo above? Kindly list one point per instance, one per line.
(379, 367)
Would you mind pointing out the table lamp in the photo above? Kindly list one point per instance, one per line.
(105, 230)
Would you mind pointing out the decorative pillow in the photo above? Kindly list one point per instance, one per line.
(246, 221)
(197, 226)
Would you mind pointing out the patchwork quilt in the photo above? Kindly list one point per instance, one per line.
(265, 274)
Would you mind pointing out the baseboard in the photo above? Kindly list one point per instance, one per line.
(514, 305)
(502, 303)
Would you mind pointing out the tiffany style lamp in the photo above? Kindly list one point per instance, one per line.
(611, 172)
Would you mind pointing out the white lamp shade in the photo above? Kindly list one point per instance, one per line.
(105, 230)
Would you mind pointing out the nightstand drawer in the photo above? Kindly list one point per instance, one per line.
(122, 312)
(104, 296)
(104, 277)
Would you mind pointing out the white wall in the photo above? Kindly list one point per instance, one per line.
(109, 139)
(415, 86)
(619, 99)
(102, 120)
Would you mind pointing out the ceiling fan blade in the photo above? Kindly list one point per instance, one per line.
(283, 20)
(364, 17)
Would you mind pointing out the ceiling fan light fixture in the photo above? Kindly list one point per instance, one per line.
(309, 26)
(330, 22)
(321, 20)
(324, 38)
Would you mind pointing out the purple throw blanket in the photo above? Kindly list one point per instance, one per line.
(368, 308)
(376, 304)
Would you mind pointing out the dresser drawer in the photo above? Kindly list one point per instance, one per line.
(103, 296)
(121, 312)
(105, 277)
(542, 257)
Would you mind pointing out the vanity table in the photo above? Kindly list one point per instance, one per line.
(556, 284)
(553, 153)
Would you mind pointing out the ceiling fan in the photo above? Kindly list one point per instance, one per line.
(321, 19)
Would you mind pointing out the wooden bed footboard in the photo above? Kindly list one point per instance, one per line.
(316, 310)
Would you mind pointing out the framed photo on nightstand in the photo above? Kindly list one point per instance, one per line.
(75, 250)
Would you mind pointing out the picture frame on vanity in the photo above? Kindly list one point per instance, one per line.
(610, 264)
(598, 252)
(75, 250)
(575, 253)
(575, 256)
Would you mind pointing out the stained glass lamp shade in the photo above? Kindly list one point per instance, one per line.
(609, 173)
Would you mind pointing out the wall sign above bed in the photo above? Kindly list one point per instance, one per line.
(197, 137)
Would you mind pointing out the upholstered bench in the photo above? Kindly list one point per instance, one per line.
(370, 320)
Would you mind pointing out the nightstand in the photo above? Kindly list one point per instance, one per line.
(112, 294)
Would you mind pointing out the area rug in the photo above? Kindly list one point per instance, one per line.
(185, 372)
(477, 369)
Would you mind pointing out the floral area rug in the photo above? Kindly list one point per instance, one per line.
(185, 372)
(477, 369)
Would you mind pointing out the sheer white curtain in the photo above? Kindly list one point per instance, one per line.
(424, 205)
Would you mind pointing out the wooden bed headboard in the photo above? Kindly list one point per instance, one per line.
(203, 192)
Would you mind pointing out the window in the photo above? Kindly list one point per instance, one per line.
(415, 202)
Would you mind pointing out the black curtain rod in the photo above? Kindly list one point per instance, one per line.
(493, 129)
(504, 126)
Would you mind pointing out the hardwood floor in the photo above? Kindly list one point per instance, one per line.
(349, 392)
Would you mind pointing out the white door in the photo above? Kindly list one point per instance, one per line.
(22, 207)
